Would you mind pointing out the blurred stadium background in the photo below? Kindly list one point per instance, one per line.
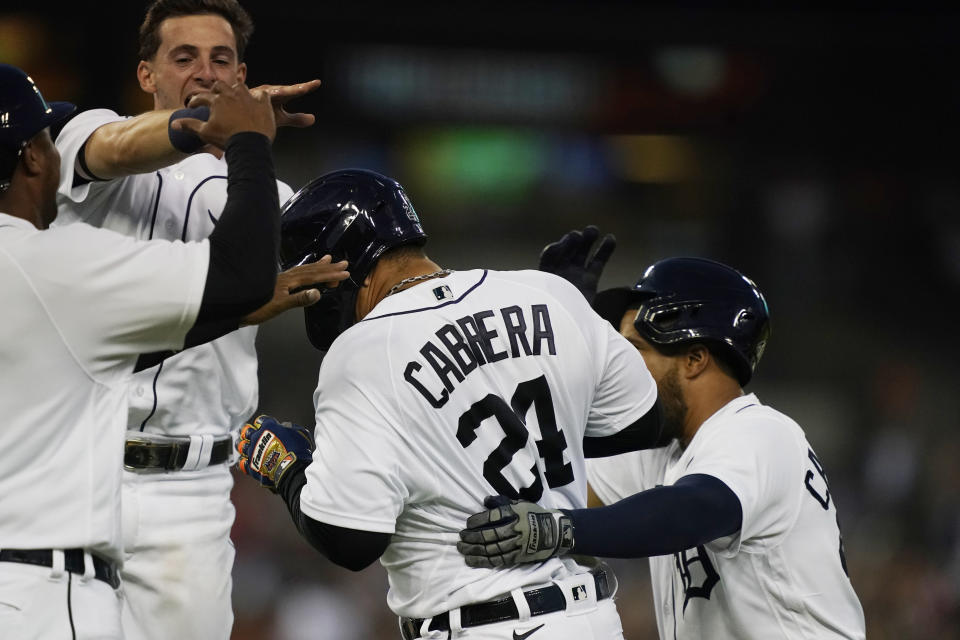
(814, 150)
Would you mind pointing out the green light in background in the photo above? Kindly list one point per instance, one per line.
(496, 163)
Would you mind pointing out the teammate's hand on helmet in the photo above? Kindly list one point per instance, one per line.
(233, 109)
(513, 532)
(269, 448)
(280, 95)
(300, 286)
(570, 258)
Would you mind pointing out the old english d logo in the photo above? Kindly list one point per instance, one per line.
(697, 573)
(526, 634)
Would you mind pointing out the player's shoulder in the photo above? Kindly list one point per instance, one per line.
(358, 348)
(544, 283)
(748, 421)
(85, 122)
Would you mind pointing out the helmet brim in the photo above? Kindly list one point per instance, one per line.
(60, 112)
(613, 303)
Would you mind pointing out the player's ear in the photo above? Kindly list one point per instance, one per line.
(36, 154)
(242, 73)
(145, 76)
(695, 360)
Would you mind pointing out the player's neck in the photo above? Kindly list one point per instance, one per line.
(386, 275)
(18, 202)
(709, 398)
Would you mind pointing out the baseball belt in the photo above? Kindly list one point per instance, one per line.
(175, 454)
(547, 599)
(103, 570)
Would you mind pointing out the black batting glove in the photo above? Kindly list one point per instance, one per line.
(571, 259)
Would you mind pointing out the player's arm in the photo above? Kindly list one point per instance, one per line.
(150, 141)
(141, 144)
(243, 246)
(644, 433)
(277, 455)
(353, 549)
(697, 509)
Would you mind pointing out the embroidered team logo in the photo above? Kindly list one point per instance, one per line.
(697, 573)
(408, 208)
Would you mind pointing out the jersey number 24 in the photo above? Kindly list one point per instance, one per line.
(512, 419)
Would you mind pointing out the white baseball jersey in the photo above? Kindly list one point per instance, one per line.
(79, 305)
(783, 575)
(479, 383)
(209, 389)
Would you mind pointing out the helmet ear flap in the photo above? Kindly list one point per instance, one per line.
(333, 314)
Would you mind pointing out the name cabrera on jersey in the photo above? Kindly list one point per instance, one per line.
(784, 574)
(479, 383)
(179, 202)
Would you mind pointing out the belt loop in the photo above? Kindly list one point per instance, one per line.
(58, 564)
(198, 454)
(523, 607)
(89, 570)
(425, 632)
(234, 456)
(455, 626)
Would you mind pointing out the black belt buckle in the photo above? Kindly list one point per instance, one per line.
(147, 455)
(141, 454)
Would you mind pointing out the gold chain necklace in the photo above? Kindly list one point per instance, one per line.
(436, 274)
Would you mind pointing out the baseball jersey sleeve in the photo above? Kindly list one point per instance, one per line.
(625, 389)
(69, 143)
(758, 461)
(616, 477)
(356, 479)
(114, 297)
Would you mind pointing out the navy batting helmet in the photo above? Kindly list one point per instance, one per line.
(23, 114)
(353, 215)
(684, 300)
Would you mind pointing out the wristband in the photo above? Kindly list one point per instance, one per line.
(183, 140)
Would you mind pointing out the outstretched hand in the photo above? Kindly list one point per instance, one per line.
(280, 95)
(513, 532)
(570, 258)
(300, 287)
(233, 109)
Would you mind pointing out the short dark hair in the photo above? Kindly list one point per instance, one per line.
(408, 251)
(160, 10)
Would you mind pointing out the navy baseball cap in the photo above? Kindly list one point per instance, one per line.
(23, 111)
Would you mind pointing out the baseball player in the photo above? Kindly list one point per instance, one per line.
(140, 177)
(80, 307)
(736, 512)
(441, 387)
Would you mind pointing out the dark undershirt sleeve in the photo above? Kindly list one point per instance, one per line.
(351, 548)
(645, 433)
(697, 509)
(243, 246)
